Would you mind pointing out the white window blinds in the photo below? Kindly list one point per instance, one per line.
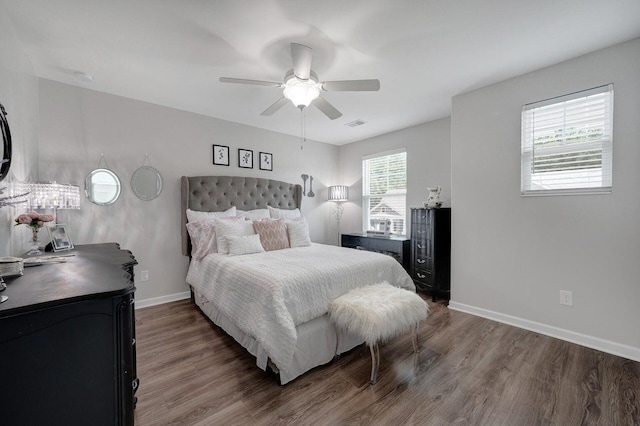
(567, 144)
(384, 190)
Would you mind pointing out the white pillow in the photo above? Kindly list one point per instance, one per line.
(194, 215)
(298, 231)
(283, 214)
(245, 244)
(231, 227)
(256, 214)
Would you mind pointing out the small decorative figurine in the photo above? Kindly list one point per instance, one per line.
(433, 198)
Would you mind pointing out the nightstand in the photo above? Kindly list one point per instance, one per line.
(398, 246)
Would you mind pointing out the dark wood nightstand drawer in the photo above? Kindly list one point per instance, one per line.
(399, 247)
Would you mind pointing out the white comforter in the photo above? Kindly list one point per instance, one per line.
(267, 294)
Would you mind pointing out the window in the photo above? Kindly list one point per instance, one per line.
(384, 190)
(567, 144)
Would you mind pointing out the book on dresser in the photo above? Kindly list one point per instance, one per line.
(431, 250)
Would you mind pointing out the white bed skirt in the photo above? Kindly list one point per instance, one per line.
(315, 345)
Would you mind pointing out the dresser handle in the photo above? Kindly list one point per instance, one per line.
(419, 246)
(420, 275)
(421, 260)
(133, 342)
(421, 232)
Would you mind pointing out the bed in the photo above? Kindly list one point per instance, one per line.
(274, 303)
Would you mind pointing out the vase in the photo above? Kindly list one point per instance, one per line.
(34, 249)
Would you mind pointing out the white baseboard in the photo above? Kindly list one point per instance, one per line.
(145, 303)
(607, 346)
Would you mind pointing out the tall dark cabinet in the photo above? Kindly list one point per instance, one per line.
(431, 250)
(67, 341)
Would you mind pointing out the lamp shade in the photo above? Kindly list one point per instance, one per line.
(339, 193)
(51, 195)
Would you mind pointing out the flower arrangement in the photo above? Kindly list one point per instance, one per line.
(34, 220)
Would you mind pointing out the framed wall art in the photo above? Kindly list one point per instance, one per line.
(245, 158)
(220, 155)
(266, 161)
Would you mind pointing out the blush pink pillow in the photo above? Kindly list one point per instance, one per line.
(273, 233)
(203, 238)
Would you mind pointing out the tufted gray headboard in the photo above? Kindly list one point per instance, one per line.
(218, 193)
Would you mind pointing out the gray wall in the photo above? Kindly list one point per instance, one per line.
(428, 164)
(19, 95)
(77, 125)
(512, 255)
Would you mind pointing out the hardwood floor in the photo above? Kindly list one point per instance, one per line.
(470, 371)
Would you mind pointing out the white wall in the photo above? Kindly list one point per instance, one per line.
(19, 95)
(428, 164)
(510, 254)
(77, 125)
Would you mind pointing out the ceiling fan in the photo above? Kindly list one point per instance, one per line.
(302, 86)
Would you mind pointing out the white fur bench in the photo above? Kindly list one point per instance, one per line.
(377, 313)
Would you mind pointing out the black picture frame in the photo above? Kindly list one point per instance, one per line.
(220, 155)
(245, 158)
(266, 161)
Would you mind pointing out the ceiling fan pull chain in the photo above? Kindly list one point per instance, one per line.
(303, 136)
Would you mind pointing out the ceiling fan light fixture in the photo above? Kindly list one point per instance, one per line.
(301, 92)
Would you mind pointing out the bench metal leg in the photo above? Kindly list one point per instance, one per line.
(416, 348)
(375, 362)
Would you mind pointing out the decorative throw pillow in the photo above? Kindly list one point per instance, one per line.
(203, 238)
(236, 226)
(273, 233)
(282, 213)
(256, 214)
(298, 233)
(244, 244)
(194, 215)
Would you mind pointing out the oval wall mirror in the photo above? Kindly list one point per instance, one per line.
(146, 183)
(102, 187)
(5, 148)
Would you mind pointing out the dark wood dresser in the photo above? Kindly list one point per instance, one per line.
(67, 341)
(395, 246)
(431, 250)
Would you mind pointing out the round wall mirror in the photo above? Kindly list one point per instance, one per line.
(102, 187)
(5, 148)
(146, 183)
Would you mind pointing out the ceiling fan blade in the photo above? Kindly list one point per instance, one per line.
(351, 86)
(275, 106)
(245, 81)
(328, 109)
(301, 56)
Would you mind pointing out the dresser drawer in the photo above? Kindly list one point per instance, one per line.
(423, 262)
(422, 249)
(424, 278)
(420, 231)
(422, 216)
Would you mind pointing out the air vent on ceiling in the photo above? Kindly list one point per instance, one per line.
(356, 123)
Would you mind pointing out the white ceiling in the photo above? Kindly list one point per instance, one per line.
(172, 52)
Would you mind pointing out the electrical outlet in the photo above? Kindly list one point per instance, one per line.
(566, 298)
(144, 275)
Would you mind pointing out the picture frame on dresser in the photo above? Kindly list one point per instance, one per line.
(60, 240)
(220, 155)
